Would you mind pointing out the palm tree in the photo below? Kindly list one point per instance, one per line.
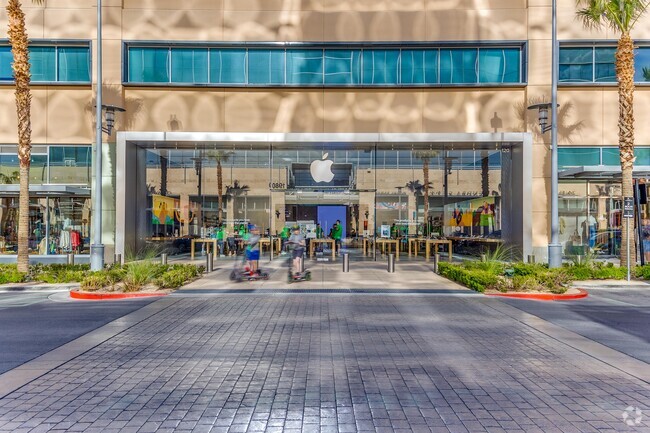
(9, 178)
(620, 16)
(415, 187)
(220, 156)
(21, 67)
(426, 156)
(646, 73)
(236, 190)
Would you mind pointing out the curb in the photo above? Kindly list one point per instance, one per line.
(88, 296)
(543, 296)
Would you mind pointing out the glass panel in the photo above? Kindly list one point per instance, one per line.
(70, 164)
(9, 169)
(642, 156)
(74, 64)
(228, 66)
(149, 65)
(38, 169)
(43, 63)
(458, 66)
(576, 64)
(642, 65)
(380, 66)
(578, 156)
(6, 58)
(305, 67)
(342, 66)
(419, 67)
(266, 66)
(605, 68)
(499, 66)
(189, 65)
(611, 156)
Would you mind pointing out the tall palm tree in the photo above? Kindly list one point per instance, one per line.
(620, 16)
(220, 156)
(21, 67)
(426, 156)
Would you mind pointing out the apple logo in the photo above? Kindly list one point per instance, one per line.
(321, 169)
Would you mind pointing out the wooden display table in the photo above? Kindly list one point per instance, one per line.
(435, 243)
(475, 239)
(313, 242)
(414, 245)
(389, 242)
(367, 244)
(277, 244)
(208, 241)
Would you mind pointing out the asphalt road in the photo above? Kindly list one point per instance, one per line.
(33, 323)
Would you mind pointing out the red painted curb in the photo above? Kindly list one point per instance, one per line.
(543, 296)
(88, 296)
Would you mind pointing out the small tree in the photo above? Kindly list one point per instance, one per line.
(426, 156)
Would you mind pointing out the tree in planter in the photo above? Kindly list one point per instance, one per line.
(620, 16)
(220, 156)
(20, 50)
(425, 156)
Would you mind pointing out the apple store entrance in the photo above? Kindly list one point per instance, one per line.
(364, 194)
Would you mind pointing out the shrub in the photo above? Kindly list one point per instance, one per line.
(609, 273)
(493, 267)
(642, 272)
(58, 273)
(177, 276)
(525, 269)
(579, 272)
(10, 274)
(102, 279)
(525, 283)
(139, 274)
(475, 279)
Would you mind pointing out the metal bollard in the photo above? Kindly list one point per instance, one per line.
(70, 258)
(163, 259)
(391, 262)
(118, 259)
(271, 246)
(209, 261)
(436, 259)
(483, 258)
(346, 262)
(531, 259)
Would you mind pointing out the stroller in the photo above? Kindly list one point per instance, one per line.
(241, 272)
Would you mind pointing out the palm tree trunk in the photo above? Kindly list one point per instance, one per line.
(625, 75)
(220, 190)
(425, 189)
(19, 48)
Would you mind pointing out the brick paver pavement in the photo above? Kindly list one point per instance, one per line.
(329, 363)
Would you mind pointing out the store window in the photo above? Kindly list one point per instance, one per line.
(60, 63)
(596, 64)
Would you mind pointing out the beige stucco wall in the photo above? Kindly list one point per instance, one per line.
(60, 114)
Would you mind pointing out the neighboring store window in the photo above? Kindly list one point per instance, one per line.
(70, 165)
(327, 66)
(51, 63)
(594, 64)
(578, 156)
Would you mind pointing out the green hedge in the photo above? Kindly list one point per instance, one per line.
(10, 274)
(475, 279)
(134, 276)
(57, 273)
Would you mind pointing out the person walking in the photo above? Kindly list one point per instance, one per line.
(337, 233)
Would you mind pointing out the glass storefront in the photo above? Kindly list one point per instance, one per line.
(373, 190)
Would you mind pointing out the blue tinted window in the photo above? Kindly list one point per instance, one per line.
(419, 66)
(458, 66)
(6, 58)
(642, 65)
(576, 64)
(228, 66)
(499, 65)
(74, 64)
(578, 156)
(605, 68)
(305, 67)
(43, 63)
(149, 65)
(266, 66)
(342, 66)
(380, 66)
(189, 65)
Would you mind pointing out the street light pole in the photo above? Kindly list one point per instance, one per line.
(97, 247)
(554, 247)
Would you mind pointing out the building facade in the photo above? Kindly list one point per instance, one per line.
(417, 109)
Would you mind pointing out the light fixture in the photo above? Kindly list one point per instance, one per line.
(109, 116)
(277, 214)
(542, 116)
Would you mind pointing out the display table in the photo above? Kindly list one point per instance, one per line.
(435, 243)
(476, 239)
(389, 242)
(277, 244)
(414, 245)
(208, 241)
(313, 242)
(367, 244)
